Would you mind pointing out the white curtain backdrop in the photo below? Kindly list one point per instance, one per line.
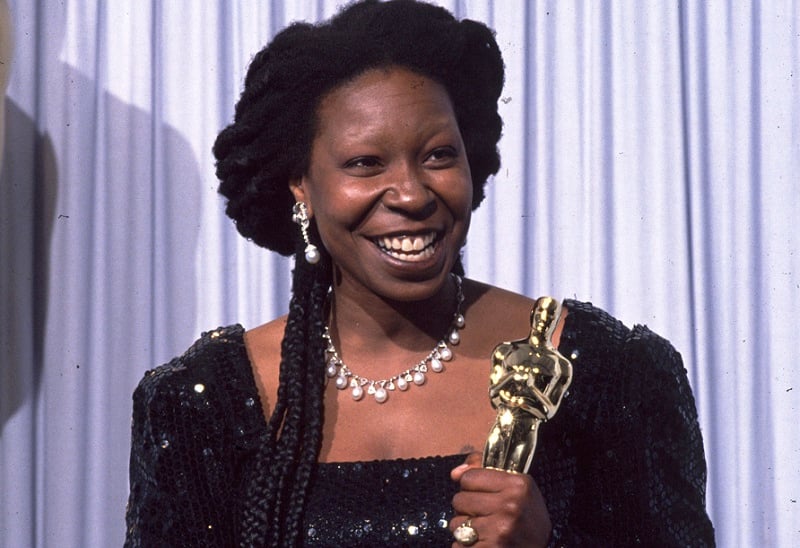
(651, 165)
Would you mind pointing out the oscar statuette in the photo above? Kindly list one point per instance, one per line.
(528, 381)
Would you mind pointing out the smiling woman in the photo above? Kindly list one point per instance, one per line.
(376, 133)
(388, 174)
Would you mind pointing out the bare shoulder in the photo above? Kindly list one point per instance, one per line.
(492, 304)
(492, 295)
(499, 312)
(263, 345)
(266, 337)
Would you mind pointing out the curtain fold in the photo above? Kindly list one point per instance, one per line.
(651, 164)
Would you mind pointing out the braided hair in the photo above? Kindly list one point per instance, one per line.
(269, 143)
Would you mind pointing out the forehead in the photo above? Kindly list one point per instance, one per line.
(378, 94)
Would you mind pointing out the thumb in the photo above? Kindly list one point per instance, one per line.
(473, 460)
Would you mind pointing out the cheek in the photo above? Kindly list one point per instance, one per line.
(338, 214)
(329, 196)
(346, 205)
(461, 196)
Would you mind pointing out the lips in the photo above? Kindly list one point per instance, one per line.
(408, 248)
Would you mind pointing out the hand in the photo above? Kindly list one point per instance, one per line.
(506, 509)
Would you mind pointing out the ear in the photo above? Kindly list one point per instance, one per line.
(298, 189)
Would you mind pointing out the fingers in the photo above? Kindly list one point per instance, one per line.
(460, 521)
(489, 531)
(504, 508)
(458, 471)
(473, 460)
(484, 491)
(487, 480)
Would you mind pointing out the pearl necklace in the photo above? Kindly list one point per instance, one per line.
(380, 389)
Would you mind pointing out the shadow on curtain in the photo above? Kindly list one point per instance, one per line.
(101, 214)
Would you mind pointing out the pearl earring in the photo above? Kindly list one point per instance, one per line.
(300, 216)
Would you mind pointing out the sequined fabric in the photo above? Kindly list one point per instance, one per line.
(382, 503)
(620, 465)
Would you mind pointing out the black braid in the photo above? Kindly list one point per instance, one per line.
(269, 144)
(313, 420)
(280, 475)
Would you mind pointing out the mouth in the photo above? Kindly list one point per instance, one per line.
(408, 248)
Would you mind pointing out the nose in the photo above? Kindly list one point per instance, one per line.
(410, 193)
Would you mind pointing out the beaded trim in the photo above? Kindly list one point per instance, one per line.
(380, 389)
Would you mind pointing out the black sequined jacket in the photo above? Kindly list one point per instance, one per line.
(621, 464)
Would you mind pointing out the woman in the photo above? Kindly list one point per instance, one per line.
(361, 146)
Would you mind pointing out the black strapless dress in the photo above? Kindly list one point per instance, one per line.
(621, 464)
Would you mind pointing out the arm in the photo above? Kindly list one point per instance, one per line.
(674, 460)
(179, 474)
(645, 466)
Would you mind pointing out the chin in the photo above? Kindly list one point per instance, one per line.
(422, 286)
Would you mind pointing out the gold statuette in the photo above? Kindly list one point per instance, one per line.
(528, 380)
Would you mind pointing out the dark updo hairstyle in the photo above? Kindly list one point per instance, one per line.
(269, 144)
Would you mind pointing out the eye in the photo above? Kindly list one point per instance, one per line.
(363, 162)
(442, 157)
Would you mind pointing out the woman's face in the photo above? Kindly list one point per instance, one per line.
(389, 184)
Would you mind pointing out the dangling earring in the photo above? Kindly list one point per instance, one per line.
(300, 216)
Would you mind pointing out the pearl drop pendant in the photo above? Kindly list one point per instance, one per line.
(312, 254)
(381, 394)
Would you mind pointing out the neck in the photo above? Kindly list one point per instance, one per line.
(362, 320)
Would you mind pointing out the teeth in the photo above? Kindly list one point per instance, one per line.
(407, 243)
(411, 257)
(408, 248)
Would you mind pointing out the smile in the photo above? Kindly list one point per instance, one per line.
(408, 248)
